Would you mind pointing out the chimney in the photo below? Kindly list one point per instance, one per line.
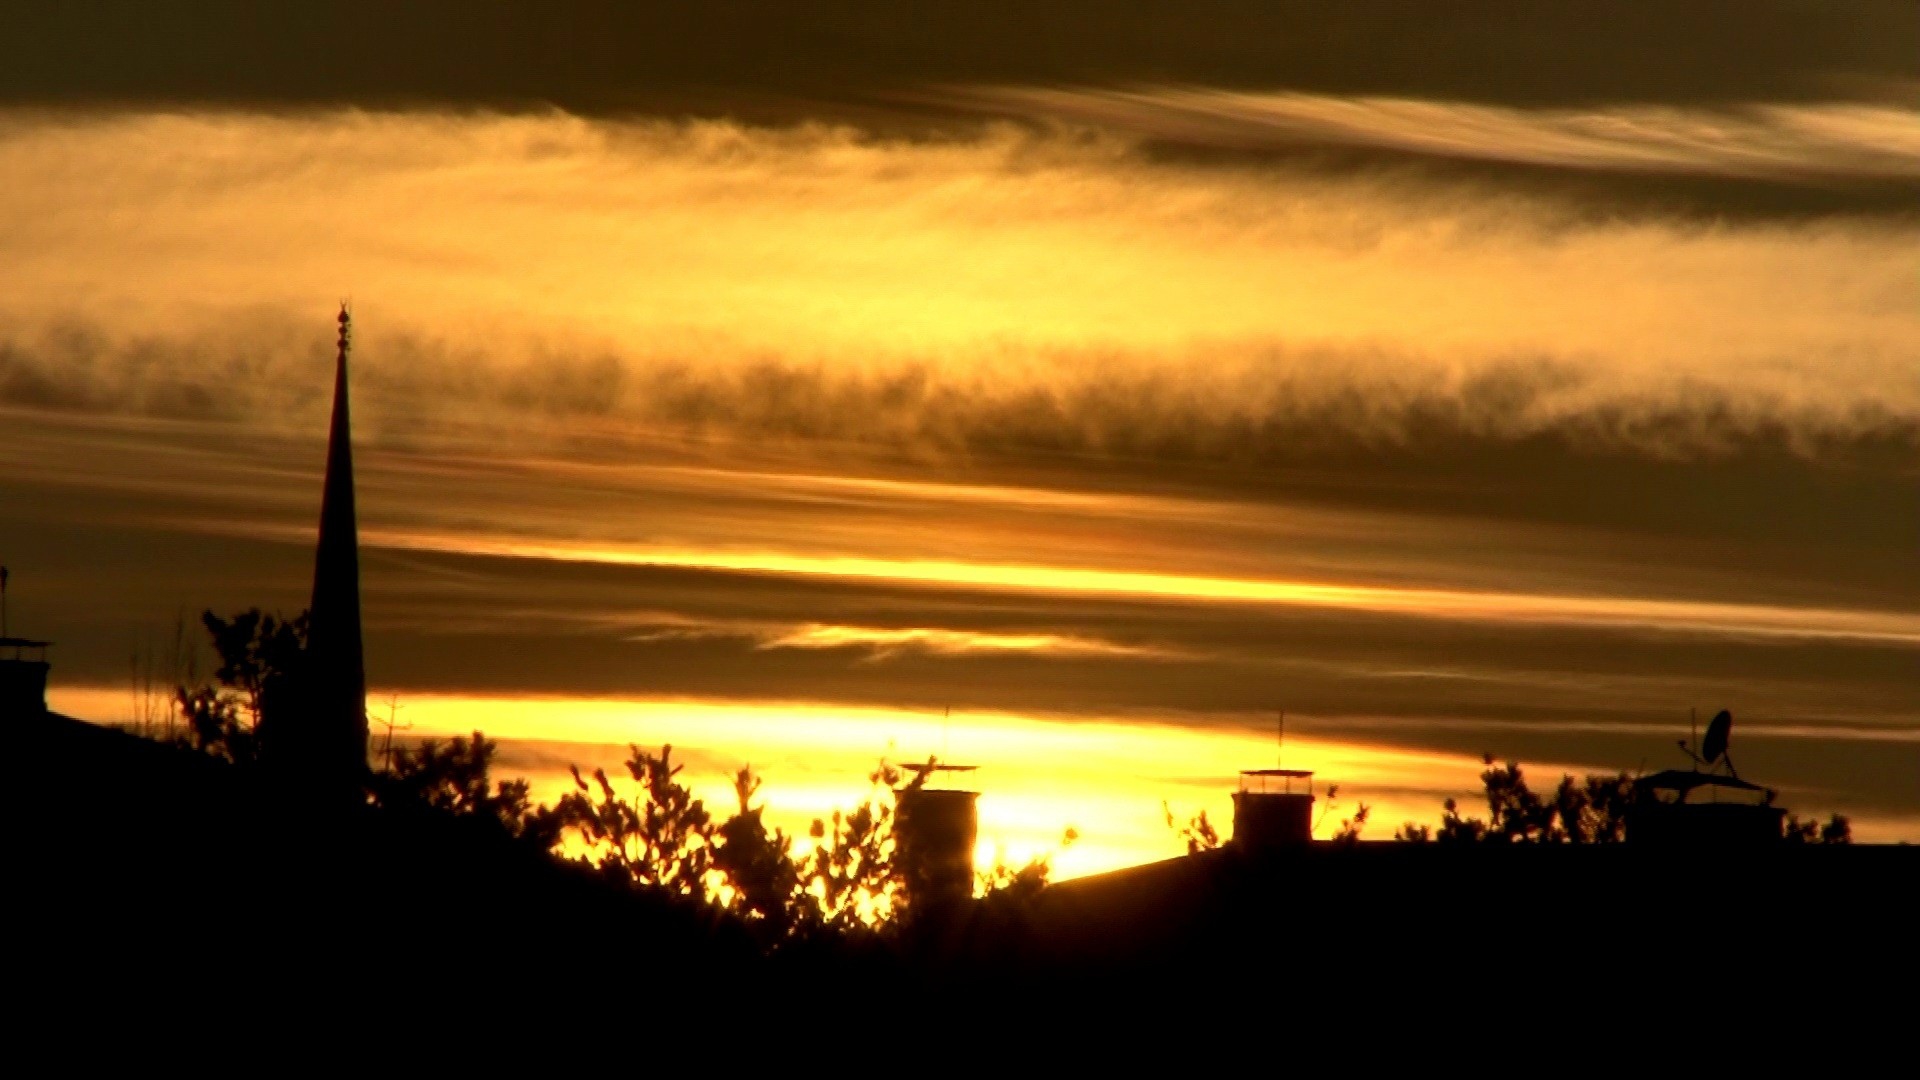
(1273, 810)
(23, 668)
(23, 677)
(934, 831)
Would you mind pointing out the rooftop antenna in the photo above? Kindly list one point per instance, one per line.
(3, 602)
(946, 715)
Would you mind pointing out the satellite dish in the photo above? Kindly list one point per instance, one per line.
(1714, 746)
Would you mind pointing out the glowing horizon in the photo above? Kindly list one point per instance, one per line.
(1110, 780)
(1454, 407)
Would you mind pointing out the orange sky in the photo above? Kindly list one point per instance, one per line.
(1453, 408)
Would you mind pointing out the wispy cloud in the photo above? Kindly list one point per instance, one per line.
(656, 627)
(1818, 142)
(1680, 616)
(953, 642)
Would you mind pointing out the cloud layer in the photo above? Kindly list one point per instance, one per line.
(1027, 416)
(846, 57)
(1827, 142)
(1047, 289)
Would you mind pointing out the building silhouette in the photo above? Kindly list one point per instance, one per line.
(1668, 809)
(1703, 806)
(320, 735)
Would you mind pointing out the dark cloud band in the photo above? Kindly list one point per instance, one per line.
(794, 58)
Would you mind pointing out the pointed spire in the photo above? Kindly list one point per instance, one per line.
(332, 747)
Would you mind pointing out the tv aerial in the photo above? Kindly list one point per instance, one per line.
(1713, 748)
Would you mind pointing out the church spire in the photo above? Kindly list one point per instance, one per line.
(332, 748)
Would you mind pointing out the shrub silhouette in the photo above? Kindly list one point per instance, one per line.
(659, 840)
(261, 660)
(758, 865)
(1350, 829)
(849, 875)
(1592, 810)
(845, 887)
(1589, 811)
(1837, 830)
(663, 837)
(452, 778)
(1197, 832)
(842, 886)
(1348, 834)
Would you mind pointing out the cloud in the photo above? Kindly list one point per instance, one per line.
(91, 503)
(877, 642)
(1818, 143)
(637, 398)
(844, 57)
(884, 641)
(1740, 620)
(998, 289)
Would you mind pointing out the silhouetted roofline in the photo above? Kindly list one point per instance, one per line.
(22, 643)
(1687, 780)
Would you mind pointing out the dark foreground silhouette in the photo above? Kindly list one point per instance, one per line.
(158, 868)
(184, 871)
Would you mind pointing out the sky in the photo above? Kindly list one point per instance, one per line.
(1065, 388)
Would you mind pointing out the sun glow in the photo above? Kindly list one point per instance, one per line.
(1038, 777)
(1111, 781)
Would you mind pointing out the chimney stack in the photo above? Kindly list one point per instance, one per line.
(1273, 810)
(23, 677)
(934, 830)
(23, 668)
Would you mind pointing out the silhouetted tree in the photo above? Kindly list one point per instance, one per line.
(1198, 833)
(660, 839)
(845, 887)
(452, 778)
(1009, 891)
(850, 871)
(1589, 811)
(1455, 829)
(1595, 812)
(1514, 813)
(154, 681)
(260, 661)
(1350, 829)
(759, 866)
(663, 837)
(1592, 810)
(259, 654)
(1837, 830)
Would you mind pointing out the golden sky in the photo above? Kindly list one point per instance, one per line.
(1111, 397)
